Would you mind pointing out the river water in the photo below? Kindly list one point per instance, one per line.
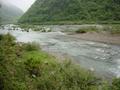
(104, 59)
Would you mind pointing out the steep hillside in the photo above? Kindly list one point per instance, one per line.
(43, 11)
(9, 13)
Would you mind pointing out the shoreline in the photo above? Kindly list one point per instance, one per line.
(99, 37)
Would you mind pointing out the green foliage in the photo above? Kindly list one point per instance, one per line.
(10, 53)
(31, 47)
(23, 67)
(52, 75)
(113, 29)
(72, 11)
(110, 29)
(115, 84)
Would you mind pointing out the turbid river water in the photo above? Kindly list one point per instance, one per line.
(104, 59)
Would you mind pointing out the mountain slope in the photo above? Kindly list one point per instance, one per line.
(9, 13)
(72, 10)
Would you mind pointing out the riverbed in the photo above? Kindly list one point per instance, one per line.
(103, 59)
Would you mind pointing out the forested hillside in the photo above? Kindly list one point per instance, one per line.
(43, 11)
(9, 13)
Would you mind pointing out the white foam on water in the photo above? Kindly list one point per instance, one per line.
(61, 33)
(116, 70)
(100, 50)
(91, 43)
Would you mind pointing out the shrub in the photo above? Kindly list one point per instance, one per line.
(31, 47)
(115, 84)
(81, 31)
(87, 29)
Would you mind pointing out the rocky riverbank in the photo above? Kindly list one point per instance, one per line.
(99, 37)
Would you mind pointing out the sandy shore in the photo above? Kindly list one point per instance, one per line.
(99, 37)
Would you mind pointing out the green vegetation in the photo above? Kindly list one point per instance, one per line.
(72, 12)
(9, 13)
(27, 67)
(24, 67)
(110, 29)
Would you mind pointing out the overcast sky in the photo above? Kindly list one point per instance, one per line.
(22, 4)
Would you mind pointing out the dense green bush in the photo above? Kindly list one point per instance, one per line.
(115, 84)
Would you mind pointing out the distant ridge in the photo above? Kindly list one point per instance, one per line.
(45, 11)
(9, 13)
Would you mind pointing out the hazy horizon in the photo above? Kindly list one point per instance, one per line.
(22, 4)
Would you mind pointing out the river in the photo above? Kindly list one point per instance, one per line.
(104, 59)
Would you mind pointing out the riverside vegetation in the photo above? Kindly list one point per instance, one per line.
(27, 67)
(111, 29)
(108, 28)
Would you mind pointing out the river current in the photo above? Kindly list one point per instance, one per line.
(104, 59)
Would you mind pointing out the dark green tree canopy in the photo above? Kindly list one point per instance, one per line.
(72, 10)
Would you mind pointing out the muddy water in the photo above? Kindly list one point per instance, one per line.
(104, 59)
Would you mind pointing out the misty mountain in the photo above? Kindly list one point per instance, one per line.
(9, 13)
(43, 11)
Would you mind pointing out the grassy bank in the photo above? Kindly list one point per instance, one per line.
(110, 29)
(71, 22)
(26, 67)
